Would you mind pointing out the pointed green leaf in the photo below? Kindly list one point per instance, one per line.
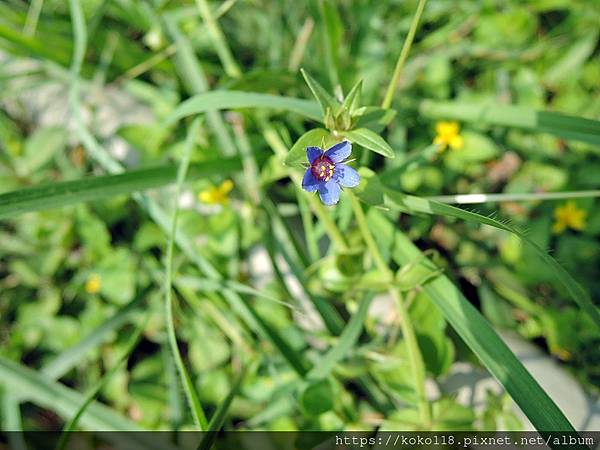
(352, 100)
(315, 137)
(370, 140)
(322, 96)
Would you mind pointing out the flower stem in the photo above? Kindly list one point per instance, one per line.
(414, 353)
(389, 95)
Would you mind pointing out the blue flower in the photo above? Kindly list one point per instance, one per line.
(327, 172)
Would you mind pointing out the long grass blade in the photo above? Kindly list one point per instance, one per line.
(88, 189)
(188, 386)
(412, 204)
(219, 100)
(93, 393)
(12, 422)
(218, 418)
(557, 124)
(477, 333)
(59, 398)
(345, 343)
(61, 364)
(466, 199)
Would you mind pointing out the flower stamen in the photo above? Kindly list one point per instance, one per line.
(322, 168)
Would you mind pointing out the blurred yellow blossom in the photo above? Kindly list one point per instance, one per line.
(448, 135)
(93, 284)
(217, 195)
(568, 216)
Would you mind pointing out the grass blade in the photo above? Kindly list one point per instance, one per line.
(465, 199)
(72, 424)
(59, 398)
(412, 204)
(64, 362)
(477, 333)
(218, 40)
(12, 423)
(188, 386)
(219, 100)
(192, 74)
(218, 418)
(88, 189)
(345, 343)
(557, 124)
(410, 37)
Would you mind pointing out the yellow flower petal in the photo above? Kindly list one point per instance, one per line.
(577, 220)
(93, 284)
(205, 196)
(440, 143)
(226, 187)
(569, 215)
(456, 142)
(446, 128)
(558, 227)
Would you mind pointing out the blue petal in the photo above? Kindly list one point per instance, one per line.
(330, 192)
(339, 152)
(313, 153)
(309, 182)
(346, 175)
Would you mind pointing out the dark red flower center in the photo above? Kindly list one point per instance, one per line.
(322, 168)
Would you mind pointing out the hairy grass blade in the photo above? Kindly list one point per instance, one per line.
(66, 193)
(412, 204)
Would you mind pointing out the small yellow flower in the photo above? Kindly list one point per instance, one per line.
(93, 284)
(217, 195)
(568, 216)
(448, 135)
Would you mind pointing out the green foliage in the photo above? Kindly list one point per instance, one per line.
(264, 308)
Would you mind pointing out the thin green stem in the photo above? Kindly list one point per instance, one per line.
(33, 16)
(330, 57)
(389, 95)
(192, 396)
(300, 45)
(309, 229)
(250, 166)
(218, 39)
(516, 197)
(414, 353)
(192, 75)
